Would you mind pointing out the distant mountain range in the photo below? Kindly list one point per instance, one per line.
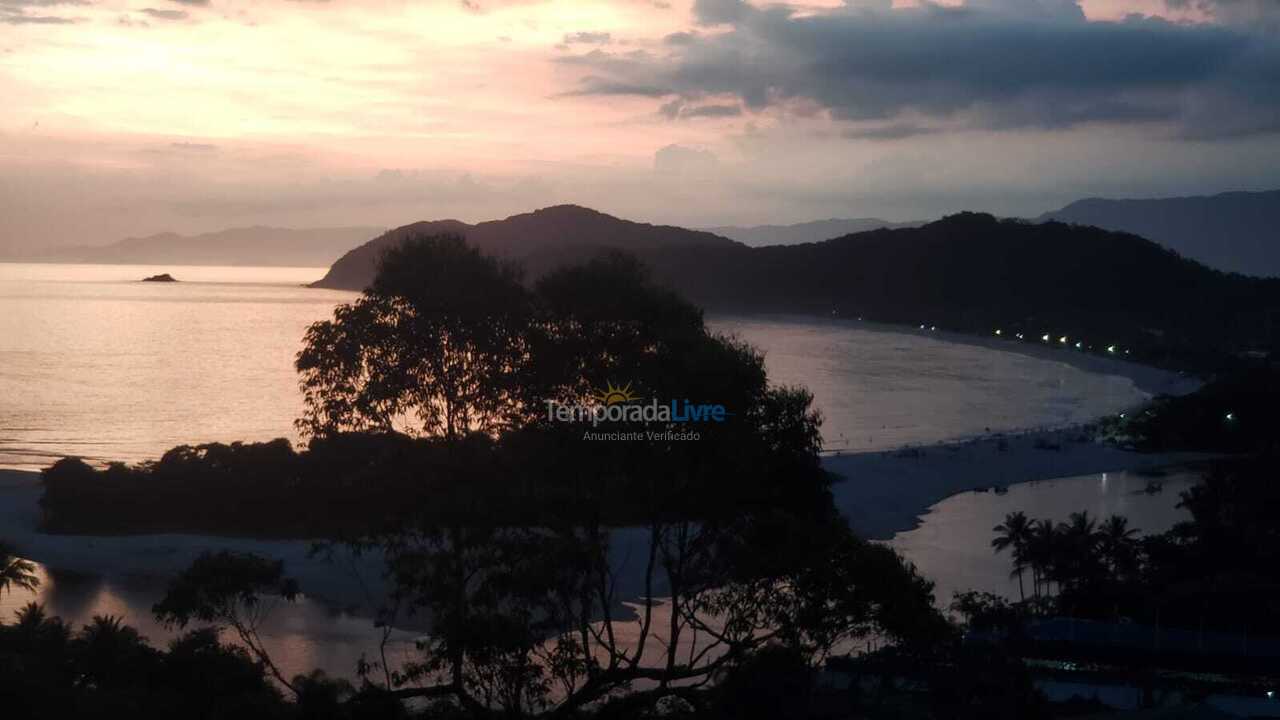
(1235, 231)
(968, 272)
(815, 231)
(316, 247)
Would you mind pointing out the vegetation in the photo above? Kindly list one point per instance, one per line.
(968, 272)
(1216, 571)
(1230, 414)
(429, 443)
(15, 572)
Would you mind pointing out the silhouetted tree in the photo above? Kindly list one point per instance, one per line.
(1014, 534)
(435, 347)
(236, 590)
(16, 572)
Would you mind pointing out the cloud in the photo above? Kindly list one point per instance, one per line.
(990, 64)
(193, 147)
(166, 14)
(681, 160)
(200, 3)
(678, 109)
(1236, 12)
(587, 38)
(719, 12)
(16, 12)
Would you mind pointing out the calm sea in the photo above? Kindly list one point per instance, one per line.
(96, 364)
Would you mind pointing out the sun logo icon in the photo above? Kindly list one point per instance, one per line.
(613, 395)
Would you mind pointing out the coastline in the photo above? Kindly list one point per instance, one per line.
(880, 492)
(1149, 379)
(885, 492)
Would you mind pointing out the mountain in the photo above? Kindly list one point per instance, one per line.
(540, 239)
(815, 231)
(1235, 231)
(969, 272)
(237, 246)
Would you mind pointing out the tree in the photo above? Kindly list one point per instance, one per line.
(434, 347)
(1117, 544)
(1043, 554)
(16, 572)
(1014, 533)
(232, 589)
(729, 543)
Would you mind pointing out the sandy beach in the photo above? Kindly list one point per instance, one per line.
(1151, 380)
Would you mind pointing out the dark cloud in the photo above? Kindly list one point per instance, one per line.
(166, 14)
(199, 3)
(1236, 12)
(720, 12)
(24, 19)
(17, 12)
(892, 131)
(679, 109)
(990, 64)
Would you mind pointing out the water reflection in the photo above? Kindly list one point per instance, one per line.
(952, 545)
(301, 636)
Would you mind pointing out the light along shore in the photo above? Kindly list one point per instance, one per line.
(1149, 379)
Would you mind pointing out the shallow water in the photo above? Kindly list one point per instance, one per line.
(952, 545)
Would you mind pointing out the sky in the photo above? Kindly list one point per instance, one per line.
(126, 118)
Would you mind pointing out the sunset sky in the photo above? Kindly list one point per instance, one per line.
(128, 118)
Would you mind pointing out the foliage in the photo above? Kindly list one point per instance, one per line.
(106, 670)
(516, 539)
(16, 572)
(231, 589)
(1217, 570)
(1231, 414)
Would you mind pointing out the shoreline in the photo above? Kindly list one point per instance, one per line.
(1147, 378)
(880, 492)
(885, 492)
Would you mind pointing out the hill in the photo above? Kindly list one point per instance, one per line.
(815, 231)
(1235, 231)
(236, 246)
(540, 239)
(969, 272)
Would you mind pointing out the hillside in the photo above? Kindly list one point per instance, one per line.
(815, 231)
(236, 246)
(1234, 232)
(968, 272)
(540, 239)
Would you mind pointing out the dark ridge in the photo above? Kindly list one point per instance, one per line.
(541, 239)
(1234, 231)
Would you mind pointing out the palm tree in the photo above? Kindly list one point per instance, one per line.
(16, 572)
(1043, 554)
(1014, 532)
(1077, 550)
(1117, 543)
